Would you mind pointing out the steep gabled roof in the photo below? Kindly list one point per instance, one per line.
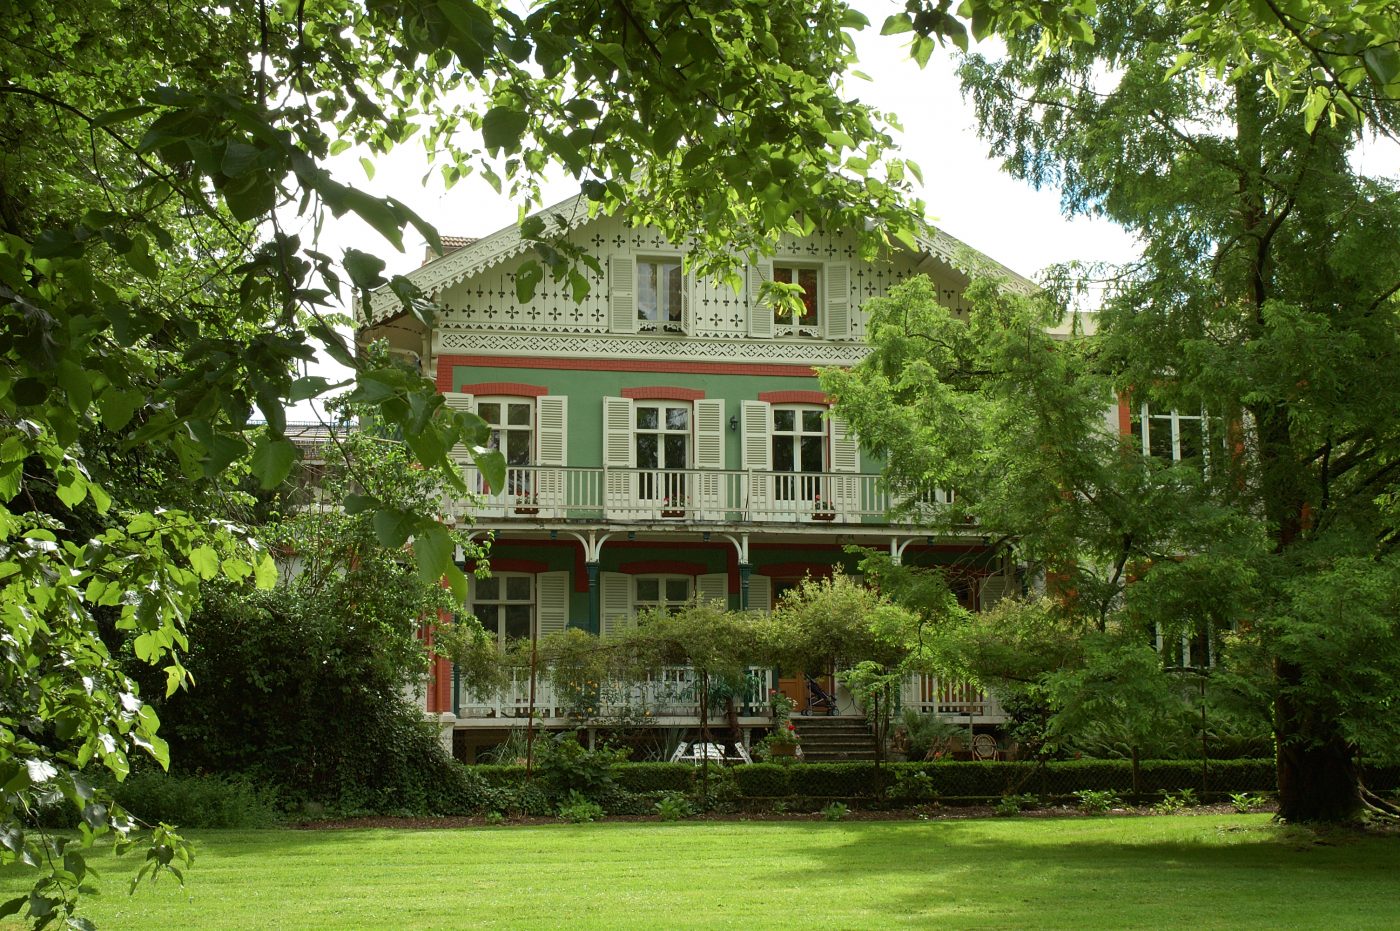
(481, 254)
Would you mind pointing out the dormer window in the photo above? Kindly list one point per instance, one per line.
(660, 285)
(805, 319)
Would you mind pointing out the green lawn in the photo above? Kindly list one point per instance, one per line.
(1208, 871)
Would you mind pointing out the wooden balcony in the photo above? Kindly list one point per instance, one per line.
(956, 701)
(690, 496)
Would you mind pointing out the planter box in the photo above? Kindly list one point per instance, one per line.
(527, 510)
(824, 515)
(672, 512)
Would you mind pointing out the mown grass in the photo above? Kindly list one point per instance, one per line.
(1208, 871)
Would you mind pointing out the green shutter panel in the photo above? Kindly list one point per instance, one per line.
(714, 587)
(622, 294)
(838, 300)
(552, 602)
(615, 602)
(760, 313)
(551, 449)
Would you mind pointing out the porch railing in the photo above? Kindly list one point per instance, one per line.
(931, 695)
(687, 495)
(671, 692)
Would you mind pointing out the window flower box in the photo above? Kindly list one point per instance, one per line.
(527, 504)
(823, 510)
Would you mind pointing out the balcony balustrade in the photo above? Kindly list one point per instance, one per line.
(690, 496)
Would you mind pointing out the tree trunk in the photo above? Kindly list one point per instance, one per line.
(1318, 778)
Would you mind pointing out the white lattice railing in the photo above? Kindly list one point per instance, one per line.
(931, 695)
(671, 692)
(545, 493)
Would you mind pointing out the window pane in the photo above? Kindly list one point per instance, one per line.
(673, 291)
(648, 590)
(519, 415)
(646, 290)
(677, 589)
(677, 418)
(486, 614)
(517, 621)
(518, 447)
(488, 589)
(646, 451)
(807, 277)
(1189, 432)
(812, 447)
(1159, 436)
(782, 454)
(783, 274)
(518, 588)
(676, 444)
(784, 420)
(646, 418)
(812, 422)
(489, 411)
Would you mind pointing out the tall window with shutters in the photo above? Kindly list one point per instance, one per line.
(505, 605)
(512, 423)
(660, 295)
(662, 436)
(805, 318)
(799, 440)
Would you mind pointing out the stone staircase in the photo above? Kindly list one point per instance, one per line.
(834, 739)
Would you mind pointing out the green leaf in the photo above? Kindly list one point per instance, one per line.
(527, 276)
(492, 466)
(365, 270)
(204, 561)
(265, 571)
(118, 406)
(433, 551)
(392, 527)
(502, 128)
(272, 461)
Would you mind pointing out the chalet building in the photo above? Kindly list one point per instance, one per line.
(667, 439)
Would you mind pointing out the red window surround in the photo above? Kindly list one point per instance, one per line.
(662, 567)
(513, 389)
(794, 397)
(511, 564)
(446, 364)
(663, 393)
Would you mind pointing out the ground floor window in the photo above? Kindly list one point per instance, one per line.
(662, 592)
(505, 605)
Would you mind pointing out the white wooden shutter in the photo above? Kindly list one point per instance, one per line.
(620, 454)
(551, 449)
(615, 602)
(622, 294)
(760, 593)
(838, 300)
(552, 601)
(709, 453)
(687, 318)
(714, 587)
(760, 314)
(993, 589)
(756, 453)
(457, 401)
(845, 458)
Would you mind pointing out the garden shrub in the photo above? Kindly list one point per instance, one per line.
(197, 801)
(577, 808)
(658, 777)
(764, 780)
(567, 766)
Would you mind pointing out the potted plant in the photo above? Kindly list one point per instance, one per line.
(823, 510)
(671, 508)
(782, 740)
(527, 504)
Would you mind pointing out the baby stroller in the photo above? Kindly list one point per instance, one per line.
(819, 699)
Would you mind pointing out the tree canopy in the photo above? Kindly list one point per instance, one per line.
(1255, 343)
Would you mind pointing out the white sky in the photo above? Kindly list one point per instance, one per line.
(965, 191)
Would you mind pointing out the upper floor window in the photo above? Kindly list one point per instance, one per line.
(505, 605)
(1169, 435)
(662, 436)
(512, 423)
(660, 285)
(805, 319)
(799, 446)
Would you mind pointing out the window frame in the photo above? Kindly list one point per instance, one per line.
(663, 603)
(786, 482)
(519, 483)
(792, 325)
(674, 321)
(501, 603)
(1143, 419)
(672, 488)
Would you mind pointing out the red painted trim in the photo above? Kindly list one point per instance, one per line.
(513, 389)
(445, 365)
(663, 393)
(511, 564)
(794, 397)
(662, 566)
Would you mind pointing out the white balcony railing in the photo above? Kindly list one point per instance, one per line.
(931, 695)
(672, 692)
(567, 493)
